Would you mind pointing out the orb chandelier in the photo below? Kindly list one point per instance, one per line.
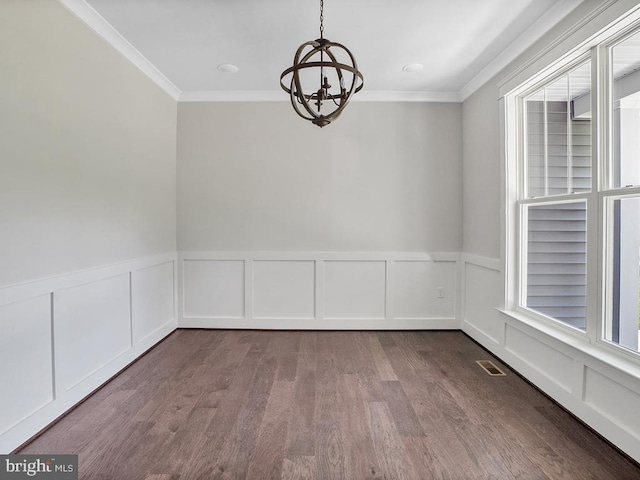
(338, 81)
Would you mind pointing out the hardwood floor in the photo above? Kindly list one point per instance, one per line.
(212, 404)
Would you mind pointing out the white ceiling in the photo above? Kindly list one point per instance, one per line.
(461, 43)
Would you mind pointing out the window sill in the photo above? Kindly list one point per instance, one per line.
(606, 354)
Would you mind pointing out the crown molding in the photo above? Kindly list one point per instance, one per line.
(409, 96)
(280, 96)
(532, 34)
(234, 96)
(98, 24)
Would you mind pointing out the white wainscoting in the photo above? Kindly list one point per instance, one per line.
(311, 290)
(601, 389)
(65, 336)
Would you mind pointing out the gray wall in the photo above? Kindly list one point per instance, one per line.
(384, 177)
(87, 149)
(481, 166)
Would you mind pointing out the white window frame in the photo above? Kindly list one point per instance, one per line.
(599, 269)
(523, 200)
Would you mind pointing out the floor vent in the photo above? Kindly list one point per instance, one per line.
(489, 367)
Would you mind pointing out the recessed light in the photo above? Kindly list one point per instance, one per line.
(412, 67)
(227, 68)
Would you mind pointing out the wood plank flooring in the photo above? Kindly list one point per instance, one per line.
(215, 404)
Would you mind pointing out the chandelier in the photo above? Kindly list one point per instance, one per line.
(324, 105)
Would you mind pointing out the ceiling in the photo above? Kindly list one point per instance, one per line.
(461, 43)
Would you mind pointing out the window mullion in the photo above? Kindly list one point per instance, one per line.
(545, 123)
(569, 139)
(595, 250)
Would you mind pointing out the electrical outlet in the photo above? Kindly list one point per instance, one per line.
(440, 292)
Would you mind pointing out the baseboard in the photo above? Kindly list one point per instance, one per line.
(323, 324)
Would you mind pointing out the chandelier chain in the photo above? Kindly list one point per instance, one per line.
(321, 18)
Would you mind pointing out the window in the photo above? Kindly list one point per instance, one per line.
(576, 199)
(621, 197)
(557, 165)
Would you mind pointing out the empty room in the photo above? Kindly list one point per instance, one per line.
(319, 239)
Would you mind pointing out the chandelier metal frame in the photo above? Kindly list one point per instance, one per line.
(309, 105)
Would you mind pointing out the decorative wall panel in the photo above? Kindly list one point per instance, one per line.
(354, 289)
(284, 289)
(25, 359)
(214, 288)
